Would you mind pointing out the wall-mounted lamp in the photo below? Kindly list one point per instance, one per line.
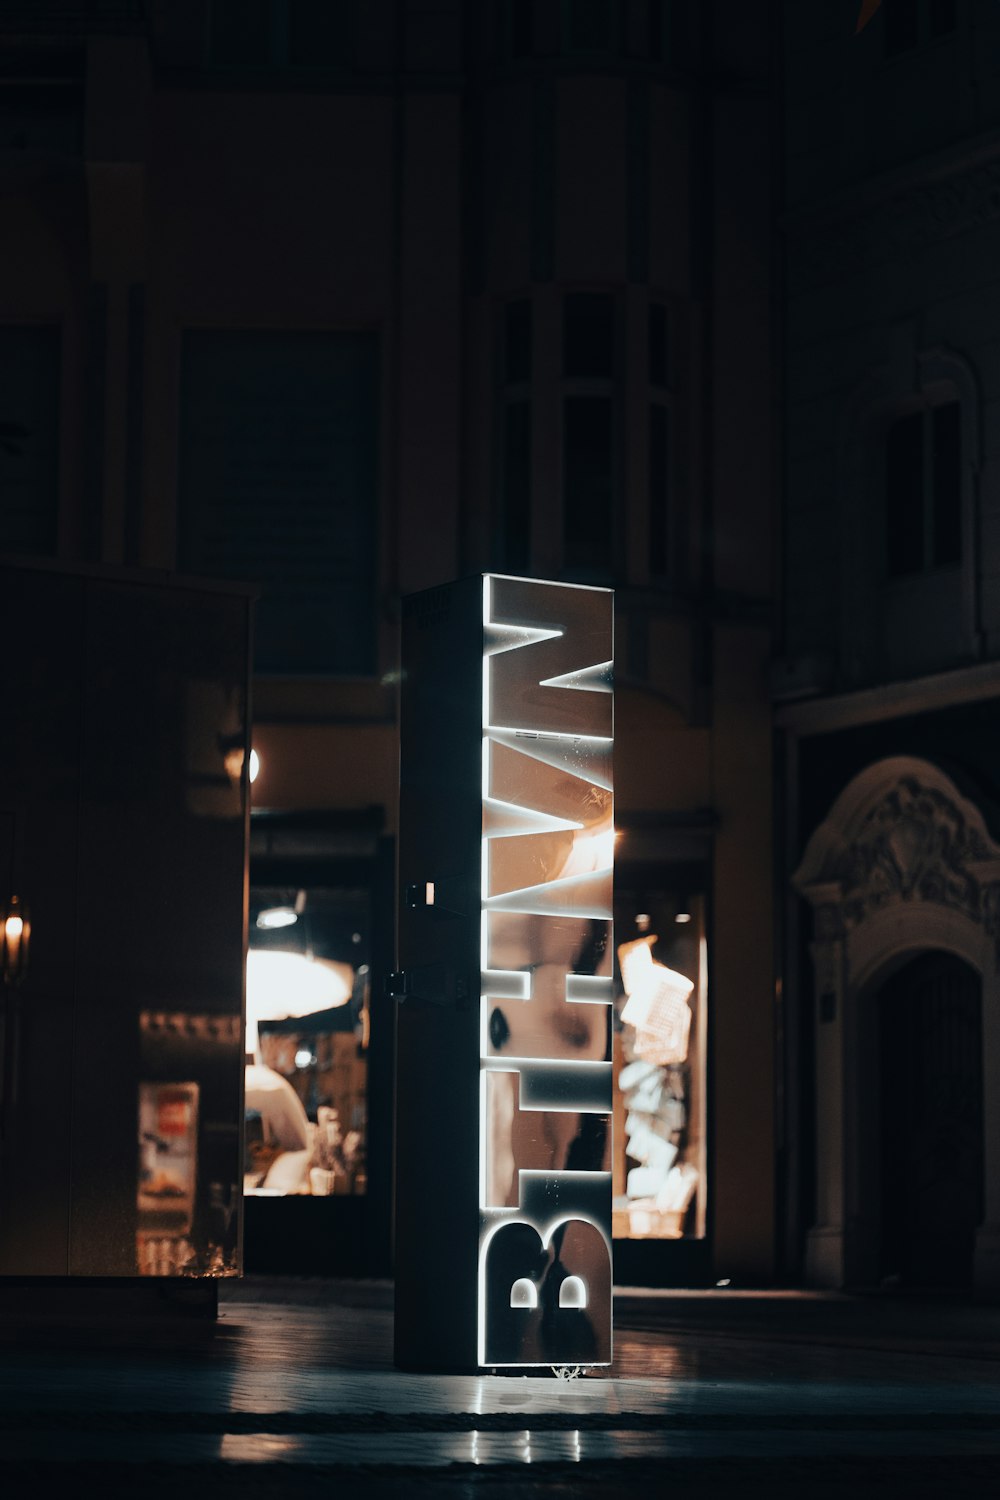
(15, 938)
(233, 754)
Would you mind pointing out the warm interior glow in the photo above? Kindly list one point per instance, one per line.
(233, 762)
(277, 916)
(13, 928)
(280, 985)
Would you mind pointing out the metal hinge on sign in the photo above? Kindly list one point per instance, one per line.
(451, 896)
(434, 984)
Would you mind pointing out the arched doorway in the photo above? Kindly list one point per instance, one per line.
(903, 877)
(929, 1038)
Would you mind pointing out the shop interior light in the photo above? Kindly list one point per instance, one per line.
(14, 938)
(277, 916)
(683, 916)
(283, 985)
(233, 754)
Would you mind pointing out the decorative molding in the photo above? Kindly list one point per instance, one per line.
(904, 221)
(876, 705)
(901, 832)
(183, 1026)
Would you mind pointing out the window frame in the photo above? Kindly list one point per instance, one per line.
(277, 55)
(343, 676)
(924, 35)
(511, 394)
(610, 388)
(929, 499)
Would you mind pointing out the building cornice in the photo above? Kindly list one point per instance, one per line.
(897, 212)
(894, 700)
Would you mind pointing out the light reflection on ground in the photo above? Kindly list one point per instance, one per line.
(301, 1383)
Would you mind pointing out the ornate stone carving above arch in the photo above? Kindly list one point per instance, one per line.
(901, 832)
(902, 864)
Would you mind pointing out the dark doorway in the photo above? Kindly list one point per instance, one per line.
(930, 1016)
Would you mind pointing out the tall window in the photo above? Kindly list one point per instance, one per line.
(517, 25)
(660, 1038)
(308, 992)
(590, 25)
(668, 28)
(29, 439)
(588, 435)
(515, 456)
(277, 33)
(660, 561)
(909, 24)
(278, 485)
(923, 479)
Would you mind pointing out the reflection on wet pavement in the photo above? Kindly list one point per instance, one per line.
(305, 1387)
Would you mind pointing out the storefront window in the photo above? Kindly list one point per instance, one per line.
(659, 1179)
(308, 992)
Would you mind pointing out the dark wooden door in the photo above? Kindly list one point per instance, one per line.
(931, 1122)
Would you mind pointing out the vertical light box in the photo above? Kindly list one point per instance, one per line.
(503, 1108)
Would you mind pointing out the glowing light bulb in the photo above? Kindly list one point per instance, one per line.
(277, 916)
(281, 985)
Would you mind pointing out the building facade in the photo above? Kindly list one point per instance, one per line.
(886, 678)
(351, 300)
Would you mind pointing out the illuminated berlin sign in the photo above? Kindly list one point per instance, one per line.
(520, 1163)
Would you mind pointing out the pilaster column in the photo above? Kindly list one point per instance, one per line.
(825, 1240)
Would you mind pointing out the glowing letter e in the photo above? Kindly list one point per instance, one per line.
(503, 977)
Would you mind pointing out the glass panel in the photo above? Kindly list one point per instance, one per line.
(526, 1136)
(943, 17)
(588, 484)
(588, 336)
(517, 342)
(240, 33)
(902, 25)
(656, 29)
(517, 485)
(589, 25)
(659, 1171)
(553, 1014)
(530, 688)
(319, 33)
(904, 495)
(659, 499)
(946, 467)
(548, 843)
(279, 486)
(308, 978)
(657, 345)
(565, 1317)
(522, 28)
